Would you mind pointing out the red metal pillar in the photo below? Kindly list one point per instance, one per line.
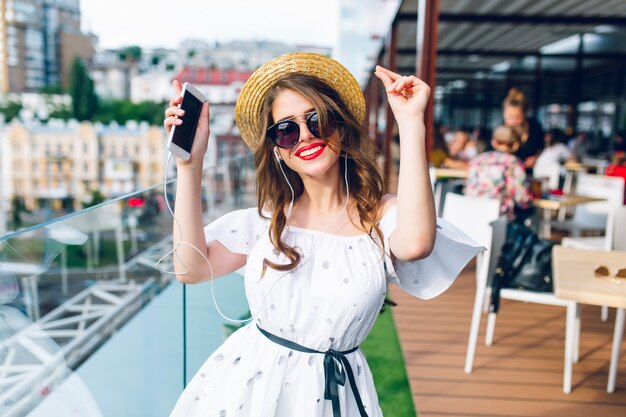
(427, 23)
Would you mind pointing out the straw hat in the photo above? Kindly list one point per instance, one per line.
(248, 108)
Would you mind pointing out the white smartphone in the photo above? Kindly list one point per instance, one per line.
(181, 136)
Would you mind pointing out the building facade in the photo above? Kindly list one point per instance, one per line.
(39, 39)
(60, 164)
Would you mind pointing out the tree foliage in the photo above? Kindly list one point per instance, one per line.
(130, 54)
(121, 111)
(82, 91)
(10, 110)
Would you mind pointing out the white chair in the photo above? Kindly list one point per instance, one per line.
(473, 216)
(615, 238)
(551, 172)
(594, 216)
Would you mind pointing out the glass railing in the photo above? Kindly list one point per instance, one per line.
(90, 325)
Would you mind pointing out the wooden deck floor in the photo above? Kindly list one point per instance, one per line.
(521, 374)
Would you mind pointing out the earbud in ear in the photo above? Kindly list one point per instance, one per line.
(277, 155)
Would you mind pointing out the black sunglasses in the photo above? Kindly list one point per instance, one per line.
(286, 133)
(605, 273)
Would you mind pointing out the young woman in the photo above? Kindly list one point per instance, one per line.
(320, 248)
(530, 131)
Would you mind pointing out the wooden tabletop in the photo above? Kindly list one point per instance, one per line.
(562, 201)
(574, 276)
(577, 166)
(450, 173)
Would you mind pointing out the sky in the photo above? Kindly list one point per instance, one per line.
(163, 23)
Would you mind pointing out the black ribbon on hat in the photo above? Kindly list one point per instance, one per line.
(336, 367)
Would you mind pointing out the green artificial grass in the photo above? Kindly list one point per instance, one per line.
(384, 356)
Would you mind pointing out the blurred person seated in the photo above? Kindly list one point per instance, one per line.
(480, 136)
(439, 153)
(529, 130)
(555, 152)
(619, 141)
(618, 168)
(461, 150)
(500, 174)
(579, 146)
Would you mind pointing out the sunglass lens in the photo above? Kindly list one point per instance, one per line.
(287, 133)
(602, 271)
(313, 124)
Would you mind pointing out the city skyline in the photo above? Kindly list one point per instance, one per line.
(115, 22)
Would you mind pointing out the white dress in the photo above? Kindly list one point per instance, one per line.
(330, 301)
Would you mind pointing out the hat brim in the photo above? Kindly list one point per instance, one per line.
(248, 107)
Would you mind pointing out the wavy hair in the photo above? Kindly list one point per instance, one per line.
(364, 178)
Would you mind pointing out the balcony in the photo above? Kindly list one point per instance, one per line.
(83, 301)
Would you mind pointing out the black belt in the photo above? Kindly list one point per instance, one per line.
(333, 373)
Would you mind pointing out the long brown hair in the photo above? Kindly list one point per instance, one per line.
(364, 179)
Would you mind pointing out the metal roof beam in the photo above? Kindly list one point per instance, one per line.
(516, 54)
(525, 19)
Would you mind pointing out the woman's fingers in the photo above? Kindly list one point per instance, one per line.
(175, 101)
(385, 78)
(178, 86)
(168, 122)
(172, 120)
(394, 76)
(174, 111)
(407, 85)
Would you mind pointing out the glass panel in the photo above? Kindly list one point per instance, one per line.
(228, 187)
(90, 323)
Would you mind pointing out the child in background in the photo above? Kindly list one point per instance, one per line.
(500, 174)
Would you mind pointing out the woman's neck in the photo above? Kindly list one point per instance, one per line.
(320, 198)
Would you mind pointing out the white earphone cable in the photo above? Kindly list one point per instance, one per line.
(211, 278)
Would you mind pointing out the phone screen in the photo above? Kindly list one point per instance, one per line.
(184, 133)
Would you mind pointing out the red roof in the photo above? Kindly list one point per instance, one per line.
(207, 76)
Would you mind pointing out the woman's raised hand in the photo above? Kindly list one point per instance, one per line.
(201, 138)
(407, 95)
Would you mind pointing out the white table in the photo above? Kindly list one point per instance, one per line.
(574, 280)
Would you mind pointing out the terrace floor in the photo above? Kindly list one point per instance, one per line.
(521, 374)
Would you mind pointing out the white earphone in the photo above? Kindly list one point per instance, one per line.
(277, 155)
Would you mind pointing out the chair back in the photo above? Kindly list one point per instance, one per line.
(618, 230)
(474, 215)
(551, 172)
(609, 188)
(498, 238)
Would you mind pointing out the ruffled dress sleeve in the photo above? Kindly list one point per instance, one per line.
(426, 278)
(238, 230)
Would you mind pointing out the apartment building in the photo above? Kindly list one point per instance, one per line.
(39, 39)
(60, 164)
